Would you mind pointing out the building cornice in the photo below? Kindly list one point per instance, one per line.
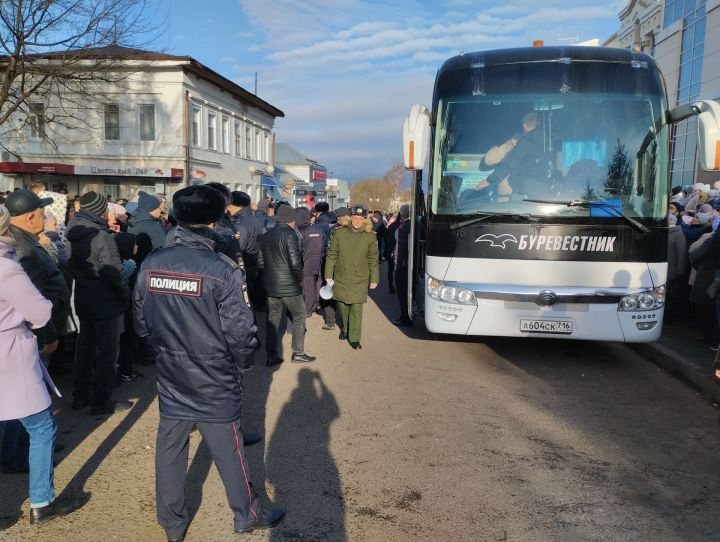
(631, 5)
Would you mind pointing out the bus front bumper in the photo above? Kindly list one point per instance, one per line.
(580, 321)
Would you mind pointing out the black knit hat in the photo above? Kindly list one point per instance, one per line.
(198, 205)
(285, 214)
(240, 199)
(93, 202)
(147, 202)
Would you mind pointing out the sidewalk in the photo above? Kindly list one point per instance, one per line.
(681, 353)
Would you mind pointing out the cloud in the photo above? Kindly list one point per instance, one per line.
(346, 72)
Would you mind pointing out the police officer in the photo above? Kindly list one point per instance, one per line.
(191, 303)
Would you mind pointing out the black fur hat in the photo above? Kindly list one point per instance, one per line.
(198, 204)
(240, 199)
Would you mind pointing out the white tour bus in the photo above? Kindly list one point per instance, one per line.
(547, 193)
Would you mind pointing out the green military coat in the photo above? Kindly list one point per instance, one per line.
(352, 262)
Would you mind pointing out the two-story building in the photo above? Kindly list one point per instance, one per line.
(171, 122)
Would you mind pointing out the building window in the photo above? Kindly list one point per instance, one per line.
(238, 139)
(37, 119)
(248, 142)
(111, 189)
(211, 131)
(267, 148)
(149, 188)
(258, 147)
(196, 126)
(147, 122)
(691, 63)
(225, 135)
(112, 122)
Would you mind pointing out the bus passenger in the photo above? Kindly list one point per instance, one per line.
(517, 162)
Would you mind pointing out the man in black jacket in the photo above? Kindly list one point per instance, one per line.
(27, 221)
(191, 303)
(247, 224)
(231, 240)
(101, 297)
(281, 263)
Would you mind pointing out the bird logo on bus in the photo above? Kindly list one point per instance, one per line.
(497, 240)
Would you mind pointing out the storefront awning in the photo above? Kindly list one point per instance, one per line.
(271, 181)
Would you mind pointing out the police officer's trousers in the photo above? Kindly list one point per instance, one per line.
(225, 442)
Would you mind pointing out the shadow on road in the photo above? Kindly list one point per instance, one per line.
(73, 428)
(301, 467)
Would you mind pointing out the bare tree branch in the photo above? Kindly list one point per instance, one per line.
(69, 56)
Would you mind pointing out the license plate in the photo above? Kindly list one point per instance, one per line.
(546, 326)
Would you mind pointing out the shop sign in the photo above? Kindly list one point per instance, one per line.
(129, 171)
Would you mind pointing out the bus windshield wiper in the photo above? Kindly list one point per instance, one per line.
(475, 220)
(604, 204)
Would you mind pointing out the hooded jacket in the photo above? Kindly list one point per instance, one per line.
(47, 277)
(191, 304)
(281, 261)
(101, 291)
(352, 262)
(143, 222)
(677, 253)
(326, 222)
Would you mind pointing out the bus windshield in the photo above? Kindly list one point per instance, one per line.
(494, 154)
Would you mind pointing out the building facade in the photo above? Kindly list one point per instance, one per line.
(684, 38)
(173, 122)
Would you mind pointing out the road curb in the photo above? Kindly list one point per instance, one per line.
(680, 366)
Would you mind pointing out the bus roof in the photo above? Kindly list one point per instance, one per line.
(543, 54)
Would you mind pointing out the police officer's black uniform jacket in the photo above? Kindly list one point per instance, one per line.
(192, 305)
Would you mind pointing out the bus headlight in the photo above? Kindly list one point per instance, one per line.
(644, 301)
(449, 293)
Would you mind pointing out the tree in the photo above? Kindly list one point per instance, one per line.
(589, 193)
(375, 193)
(382, 194)
(619, 179)
(396, 177)
(58, 57)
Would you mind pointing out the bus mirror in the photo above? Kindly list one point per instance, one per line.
(708, 135)
(416, 135)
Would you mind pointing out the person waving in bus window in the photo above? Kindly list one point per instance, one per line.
(517, 162)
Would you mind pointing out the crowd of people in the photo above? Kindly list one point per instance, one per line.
(694, 259)
(183, 287)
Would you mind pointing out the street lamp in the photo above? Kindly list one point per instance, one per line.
(267, 170)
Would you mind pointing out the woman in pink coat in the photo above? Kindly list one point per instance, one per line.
(23, 380)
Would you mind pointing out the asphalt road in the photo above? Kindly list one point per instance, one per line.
(412, 438)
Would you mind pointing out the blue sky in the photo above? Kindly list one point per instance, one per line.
(346, 72)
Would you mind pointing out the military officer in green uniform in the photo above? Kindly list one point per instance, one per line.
(351, 265)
